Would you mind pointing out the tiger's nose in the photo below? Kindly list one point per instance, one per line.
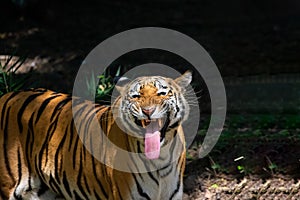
(148, 111)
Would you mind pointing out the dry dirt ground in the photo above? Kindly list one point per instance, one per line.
(247, 188)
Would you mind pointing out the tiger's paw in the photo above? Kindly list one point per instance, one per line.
(33, 190)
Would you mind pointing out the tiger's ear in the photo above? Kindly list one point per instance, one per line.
(184, 80)
(120, 89)
(121, 84)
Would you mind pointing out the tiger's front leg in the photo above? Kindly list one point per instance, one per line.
(32, 188)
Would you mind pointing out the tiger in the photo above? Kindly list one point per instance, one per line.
(42, 155)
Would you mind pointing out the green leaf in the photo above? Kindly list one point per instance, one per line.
(9, 80)
(272, 166)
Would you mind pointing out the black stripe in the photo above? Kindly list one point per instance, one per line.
(168, 172)
(177, 110)
(42, 189)
(175, 125)
(176, 190)
(181, 165)
(23, 107)
(165, 127)
(165, 167)
(59, 106)
(130, 125)
(173, 145)
(79, 112)
(49, 134)
(4, 108)
(91, 150)
(179, 162)
(88, 120)
(50, 129)
(178, 181)
(104, 127)
(138, 147)
(19, 166)
(17, 197)
(134, 163)
(56, 160)
(86, 185)
(43, 106)
(77, 101)
(75, 147)
(5, 141)
(38, 169)
(150, 174)
(61, 164)
(96, 176)
(153, 178)
(29, 147)
(2, 195)
(175, 133)
(119, 192)
(100, 108)
(71, 133)
(79, 184)
(77, 197)
(97, 197)
(31, 133)
(66, 185)
(53, 184)
(140, 189)
(38, 90)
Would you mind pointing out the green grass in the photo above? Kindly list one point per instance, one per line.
(9, 79)
(254, 144)
(104, 84)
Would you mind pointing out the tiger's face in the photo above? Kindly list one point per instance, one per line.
(151, 106)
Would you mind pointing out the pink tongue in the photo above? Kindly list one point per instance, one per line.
(152, 144)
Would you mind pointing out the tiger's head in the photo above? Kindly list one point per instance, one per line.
(149, 107)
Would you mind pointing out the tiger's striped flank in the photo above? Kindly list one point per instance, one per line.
(43, 157)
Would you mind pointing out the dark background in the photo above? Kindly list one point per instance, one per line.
(250, 41)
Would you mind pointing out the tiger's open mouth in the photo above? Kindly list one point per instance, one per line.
(155, 132)
(152, 125)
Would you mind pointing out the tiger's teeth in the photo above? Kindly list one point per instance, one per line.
(162, 142)
(143, 123)
(159, 123)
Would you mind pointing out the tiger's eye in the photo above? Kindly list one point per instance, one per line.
(161, 93)
(135, 96)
